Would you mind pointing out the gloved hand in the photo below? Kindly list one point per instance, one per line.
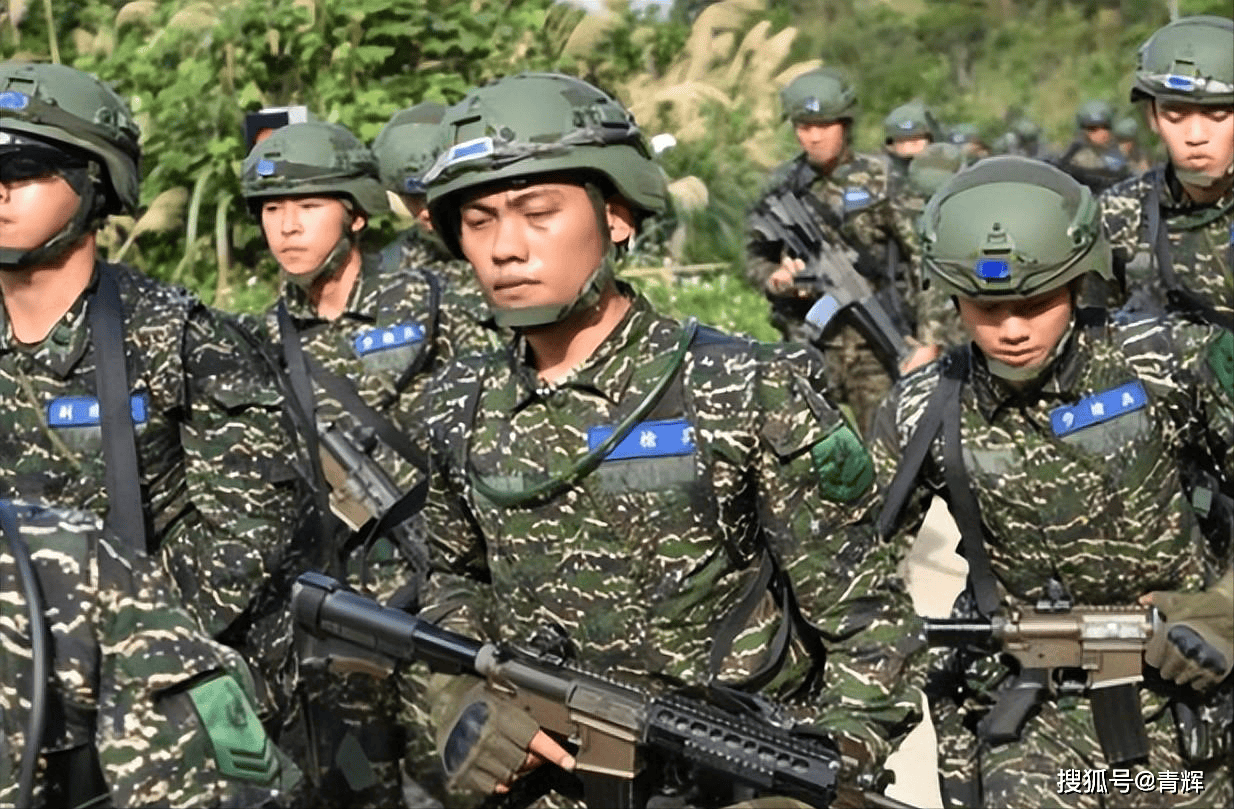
(1196, 645)
(482, 738)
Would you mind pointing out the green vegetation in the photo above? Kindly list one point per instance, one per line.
(709, 75)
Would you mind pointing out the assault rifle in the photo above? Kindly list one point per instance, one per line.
(830, 274)
(613, 725)
(362, 493)
(1104, 646)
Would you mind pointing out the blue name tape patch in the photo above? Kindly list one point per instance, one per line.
(650, 439)
(856, 198)
(1098, 407)
(83, 411)
(396, 336)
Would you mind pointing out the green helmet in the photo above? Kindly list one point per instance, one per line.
(1126, 128)
(1012, 227)
(960, 134)
(407, 146)
(1190, 60)
(72, 118)
(1027, 131)
(822, 95)
(313, 158)
(934, 166)
(65, 106)
(911, 120)
(1094, 114)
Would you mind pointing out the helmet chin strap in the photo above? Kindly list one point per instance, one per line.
(588, 294)
(84, 219)
(1027, 373)
(331, 265)
(1201, 179)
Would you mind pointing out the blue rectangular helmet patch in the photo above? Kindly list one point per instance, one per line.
(650, 439)
(992, 269)
(265, 168)
(1176, 82)
(83, 411)
(401, 334)
(13, 100)
(1098, 407)
(469, 150)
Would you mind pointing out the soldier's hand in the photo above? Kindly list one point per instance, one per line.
(1195, 646)
(484, 739)
(781, 282)
(542, 749)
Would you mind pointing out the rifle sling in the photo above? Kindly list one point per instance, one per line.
(125, 511)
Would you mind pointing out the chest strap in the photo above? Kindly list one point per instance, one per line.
(1180, 297)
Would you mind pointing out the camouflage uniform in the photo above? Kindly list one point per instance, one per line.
(1200, 239)
(639, 560)
(215, 462)
(131, 679)
(1101, 507)
(867, 220)
(1097, 167)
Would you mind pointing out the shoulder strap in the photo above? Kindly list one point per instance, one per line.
(125, 510)
(963, 503)
(1180, 296)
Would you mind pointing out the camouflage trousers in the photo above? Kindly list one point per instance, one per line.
(1058, 762)
(856, 380)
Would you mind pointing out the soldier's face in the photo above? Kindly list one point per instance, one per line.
(909, 147)
(34, 209)
(1198, 138)
(536, 245)
(1097, 135)
(301, 231)
(822, 142)
(1020, 333)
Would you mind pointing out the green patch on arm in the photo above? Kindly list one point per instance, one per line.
(843, 465)
(1221, 360)
(241, 747)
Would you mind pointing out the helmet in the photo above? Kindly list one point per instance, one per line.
(1012, 227)
(539, 123)
(1126, 128)
(313, 158)
(67, 107)
(821, 95)
(407, 146)
(934, 166)
(911, 120)
(960, 134)
(1027, 131)
(1189, 60)
(1094, 114)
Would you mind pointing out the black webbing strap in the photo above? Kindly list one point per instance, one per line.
(125, 512)
(963, 503)
(1158, 237)
(303, 408)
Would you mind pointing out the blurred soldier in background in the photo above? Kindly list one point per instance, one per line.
(907, 130)
(1092, 157)
(858, 212)
(1127, 136)
(110, 694)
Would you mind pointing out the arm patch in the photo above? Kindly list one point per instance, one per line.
(1221, 360)
(843, 465)
(241, 747)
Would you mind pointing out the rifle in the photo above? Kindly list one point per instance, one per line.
(614, 726)
(362, 493)
(1106, 644)
(830, 274)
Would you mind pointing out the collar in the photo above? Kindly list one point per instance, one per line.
(994, 395)
(362, 301)
(1176, 204)
(65, 344)
(603, 373)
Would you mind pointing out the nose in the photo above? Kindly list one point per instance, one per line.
(289, 219)
(1197, 132)
(509, 240)
(1015, 329)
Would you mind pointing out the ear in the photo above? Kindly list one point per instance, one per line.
(425, 219)
(1150, 114)
(621, 222)
(358, 222)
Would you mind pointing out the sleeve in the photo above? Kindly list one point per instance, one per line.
(241, 487)
(176, 724)
(816, 502)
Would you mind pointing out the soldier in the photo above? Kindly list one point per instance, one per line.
(121, 395)
(621, 487)
(852, 189)
(135, 706)
(405, 149)
(968, 137)
(937, 320)
(1092, 157)
(1171, 227)
(909, 128)
(1127, 136)
(359, 338)
(1056, 439)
